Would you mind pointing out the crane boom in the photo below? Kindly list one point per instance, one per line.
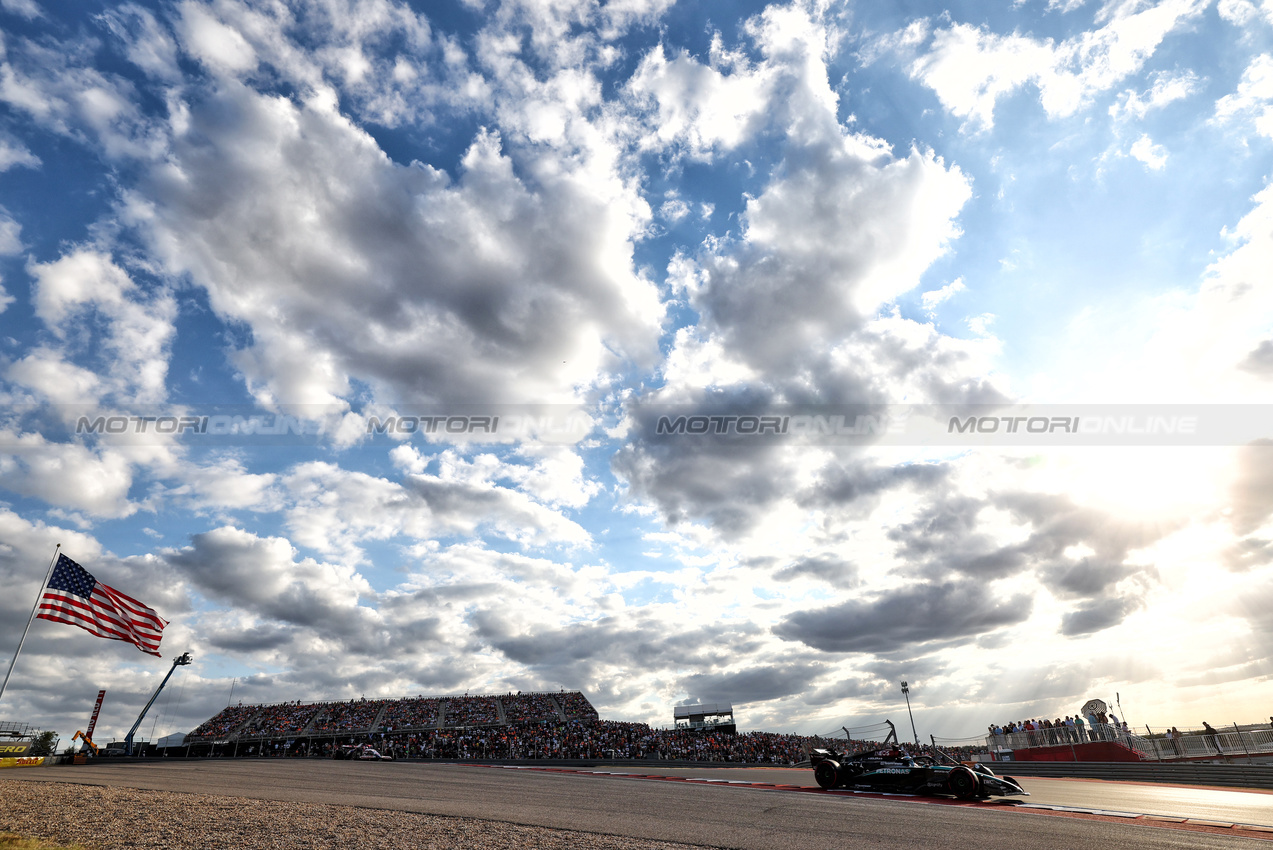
(180, 661)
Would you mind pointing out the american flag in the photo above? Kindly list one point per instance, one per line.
(73, 596)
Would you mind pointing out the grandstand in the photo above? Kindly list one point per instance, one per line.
(560, 725)
(292, 720)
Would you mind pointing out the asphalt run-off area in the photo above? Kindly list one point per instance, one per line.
(761, 808)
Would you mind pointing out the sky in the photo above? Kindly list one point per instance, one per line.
(666, 350)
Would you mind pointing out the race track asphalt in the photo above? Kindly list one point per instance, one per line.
(712, 815)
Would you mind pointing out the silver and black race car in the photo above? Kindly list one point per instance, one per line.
(360, 752)
(891, 769)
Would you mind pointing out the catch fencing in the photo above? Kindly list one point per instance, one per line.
(1226, 742)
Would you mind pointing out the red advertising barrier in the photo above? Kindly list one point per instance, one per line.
(1095, 751)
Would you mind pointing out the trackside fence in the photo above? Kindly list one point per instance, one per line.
(1233, 742)
(1229, 775)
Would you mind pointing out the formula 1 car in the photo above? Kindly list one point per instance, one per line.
(360, 752)
(893, 770)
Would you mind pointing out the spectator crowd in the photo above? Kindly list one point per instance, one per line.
(573, 739)
(391, 715)
(415, 713)
(561, 725)
(1072, 729)
(511, 726)
(349, 716)
(529, 707)
(224, 722)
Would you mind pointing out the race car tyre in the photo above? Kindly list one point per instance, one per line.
(828, 774)
(964, 783)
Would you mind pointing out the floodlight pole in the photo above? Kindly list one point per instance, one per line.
(906, 692)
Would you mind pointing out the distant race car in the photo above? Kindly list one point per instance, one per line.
(360, 752)
(895, 771)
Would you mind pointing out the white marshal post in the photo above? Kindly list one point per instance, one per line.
(38, 596)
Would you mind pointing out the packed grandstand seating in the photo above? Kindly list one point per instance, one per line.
(274, 720)
(521, 707)
(411, 713)
(337, 717)
(352, 716)
(514, 726)
(576, 706)
(471, 711)
(226, 721)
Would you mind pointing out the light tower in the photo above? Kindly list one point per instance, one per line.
(906, 692)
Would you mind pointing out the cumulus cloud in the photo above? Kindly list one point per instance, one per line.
(1243, 12)
(937, 297)
(1153, 156)
(489, 287)
(218, 483)
(589, 650)
(14, 153)
(132, 352)
(1253, 100)
(54, 83)
(147, 41)
(1098, 616)
(790, 309)
(1166, 89)
(831, 569)
(971, 68)
(333, 510)
(263, 575)
(701, 107)
(25, 555)
(753, 684)
(949, 613)
(67, 474)
(843, 227)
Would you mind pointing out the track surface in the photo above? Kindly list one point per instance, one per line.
(1230, 805)
(705, 814)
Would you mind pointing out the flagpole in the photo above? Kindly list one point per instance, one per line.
(30, 620)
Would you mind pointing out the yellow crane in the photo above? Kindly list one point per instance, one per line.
(87, 740)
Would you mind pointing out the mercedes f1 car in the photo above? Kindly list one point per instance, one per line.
(893, 770)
